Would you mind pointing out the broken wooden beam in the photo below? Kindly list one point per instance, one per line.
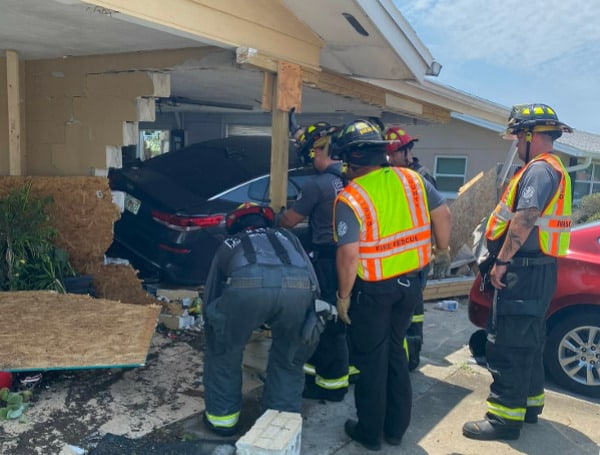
(448, 287)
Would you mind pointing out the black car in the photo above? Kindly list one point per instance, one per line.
(175, 203)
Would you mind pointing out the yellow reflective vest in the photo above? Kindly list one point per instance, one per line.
(395, 236)
(554, 223)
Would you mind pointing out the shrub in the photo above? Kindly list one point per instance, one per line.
(588, 209)
(28, 258)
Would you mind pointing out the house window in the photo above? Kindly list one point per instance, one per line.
(450, 174)
(586, 181)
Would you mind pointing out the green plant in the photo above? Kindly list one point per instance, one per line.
(13, 404)
(588, 209)
(28, 258)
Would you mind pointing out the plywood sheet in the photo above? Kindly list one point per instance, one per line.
(476, 200)
(289, 86)
(49, 331)
(118, 282)
(82, 213)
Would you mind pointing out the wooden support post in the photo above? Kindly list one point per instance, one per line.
(268, 91)
(279, 154)
(14, 113)
(286, 92)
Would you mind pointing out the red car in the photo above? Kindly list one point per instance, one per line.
(572, 351)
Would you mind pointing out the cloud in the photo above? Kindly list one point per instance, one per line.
(516, 51)
(511, 32)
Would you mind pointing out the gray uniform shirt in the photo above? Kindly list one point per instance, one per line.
(316, 201)
(348, 227)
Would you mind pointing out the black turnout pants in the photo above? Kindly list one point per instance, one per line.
(381, 313)
(516, 334)
(330, 359)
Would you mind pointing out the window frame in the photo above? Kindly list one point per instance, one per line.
(437, 174)
(592, 170)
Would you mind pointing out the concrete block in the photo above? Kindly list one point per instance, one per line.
(114, 157)
(146, 109)
(162, 84)
(130, 133)
(274, 433)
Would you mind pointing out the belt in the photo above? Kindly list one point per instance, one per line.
(524, 261)
(412, 274)
(269, 282)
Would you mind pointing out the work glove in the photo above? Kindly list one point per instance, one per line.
(326, 309)
(342, 306)
(441, 263)
(293, 124)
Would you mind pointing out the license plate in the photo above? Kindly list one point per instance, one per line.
(132, 204)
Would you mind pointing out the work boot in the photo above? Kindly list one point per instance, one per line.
(491, 429)
(353, 431)
(392, 440)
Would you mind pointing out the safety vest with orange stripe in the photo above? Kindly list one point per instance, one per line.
(395, 236)
(554, 224)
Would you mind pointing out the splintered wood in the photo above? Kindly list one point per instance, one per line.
(46, 330)
(448, 287)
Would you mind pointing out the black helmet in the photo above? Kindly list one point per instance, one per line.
(360, 142)
(249, 215)
(307, 139)
(539, 118)
(359, 134)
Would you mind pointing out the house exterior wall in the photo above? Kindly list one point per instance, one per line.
(483, 148)
(82, 110)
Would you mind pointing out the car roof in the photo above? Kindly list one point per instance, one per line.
(211, 167)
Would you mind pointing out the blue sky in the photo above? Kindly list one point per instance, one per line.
(517, 51)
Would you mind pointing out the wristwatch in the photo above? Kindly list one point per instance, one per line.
(499, 262)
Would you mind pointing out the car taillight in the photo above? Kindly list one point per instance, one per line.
(187, 223)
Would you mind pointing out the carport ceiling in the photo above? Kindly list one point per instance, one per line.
(60, 28)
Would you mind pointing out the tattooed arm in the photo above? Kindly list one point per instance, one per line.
(519, 229)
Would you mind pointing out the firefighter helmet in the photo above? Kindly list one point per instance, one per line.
(359, 142)
(536, 118)
(306, 141)
(399, 139)
(249, 215)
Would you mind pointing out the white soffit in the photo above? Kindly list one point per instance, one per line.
(390, 51)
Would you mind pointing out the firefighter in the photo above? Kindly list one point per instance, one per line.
(259, 275)
(383, 220)
(327, 370)
(399, 152)
(526, 232)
